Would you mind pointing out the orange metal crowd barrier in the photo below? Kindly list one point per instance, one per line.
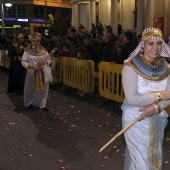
(2, 58)
(110, 81)
(57, 70)
(6, 59)
(80, 74)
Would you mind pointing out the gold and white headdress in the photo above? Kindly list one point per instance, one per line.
(34, 35)
(152, 33)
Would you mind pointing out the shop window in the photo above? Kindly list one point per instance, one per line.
(17, 11)
(12, 12)
(21, 11)
(38, 12)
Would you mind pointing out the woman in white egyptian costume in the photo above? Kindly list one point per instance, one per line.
(146, 81)
(34, 58)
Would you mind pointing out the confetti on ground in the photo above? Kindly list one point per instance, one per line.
(29, 145)
(11, 123)
(101, 166)
(106, 157)
(123, 154)
(71, 106)
(65, 167)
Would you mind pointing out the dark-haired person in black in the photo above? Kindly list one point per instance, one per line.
(129, 46)
(17, 72)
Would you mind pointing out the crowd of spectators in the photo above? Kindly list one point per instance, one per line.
(99, 44)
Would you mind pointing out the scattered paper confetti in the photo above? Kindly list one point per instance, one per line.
(65, 167)
(11, 123)
(101, 166)
(168, 139)
(106, 157)
(123, 154)
(30, 145)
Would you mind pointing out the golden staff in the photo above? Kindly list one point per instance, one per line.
(118, 134)
(51, 53)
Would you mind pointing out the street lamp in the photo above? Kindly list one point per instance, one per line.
(2, 14)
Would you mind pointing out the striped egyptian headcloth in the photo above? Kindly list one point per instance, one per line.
(152, 33)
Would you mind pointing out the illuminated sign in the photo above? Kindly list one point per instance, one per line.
(38, 20)
(15, 26)
(22, 20)
(15, 19)
(10, 19)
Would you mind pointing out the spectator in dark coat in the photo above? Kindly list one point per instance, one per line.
(128, 47)
(109, 52)
(70, 47)
(82, 53)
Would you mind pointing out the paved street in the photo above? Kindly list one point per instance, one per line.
(68, 137)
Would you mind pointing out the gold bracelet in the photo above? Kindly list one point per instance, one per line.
(30, 66)
(158, 107)
(158, 97)
(45, 62)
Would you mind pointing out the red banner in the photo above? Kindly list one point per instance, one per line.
(159, 23)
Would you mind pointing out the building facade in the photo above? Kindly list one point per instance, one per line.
(33, 15)
(134, 15)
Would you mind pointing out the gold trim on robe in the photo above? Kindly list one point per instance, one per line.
(39, 81)
(36, 51)
(135, 64)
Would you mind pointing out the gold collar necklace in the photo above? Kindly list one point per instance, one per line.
(157, 61)
(35, 49)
